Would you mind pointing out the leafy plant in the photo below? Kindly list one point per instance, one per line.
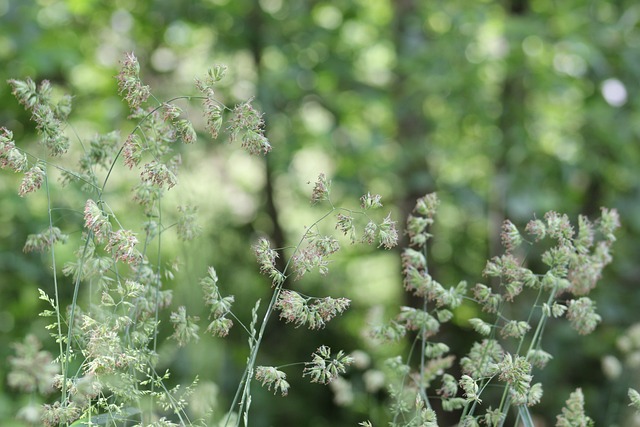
(107, 371)
(512, 339)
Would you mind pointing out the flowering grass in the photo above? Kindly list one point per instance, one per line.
(106, 368)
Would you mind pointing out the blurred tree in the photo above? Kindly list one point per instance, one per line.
(507, 108)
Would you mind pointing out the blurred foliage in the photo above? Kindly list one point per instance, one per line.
(506, 108)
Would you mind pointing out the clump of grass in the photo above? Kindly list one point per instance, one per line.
(511, 344)
(106, 368)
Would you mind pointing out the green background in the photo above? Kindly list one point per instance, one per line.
(507, 109)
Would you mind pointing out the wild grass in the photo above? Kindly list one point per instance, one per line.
(106, 371)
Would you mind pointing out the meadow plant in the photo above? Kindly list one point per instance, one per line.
(106, 368)
(511, 345)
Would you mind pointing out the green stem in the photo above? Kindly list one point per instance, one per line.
(244, 387)
(537, 336)
(55, 289)
(423, 340)
(74, 302)
(113, 163)
(406, 376)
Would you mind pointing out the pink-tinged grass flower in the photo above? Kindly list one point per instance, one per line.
(31, 369)
(180, 127)
(536, 228)
(327, 308)
(170, 112)
(609, 223)
(427, 205)
(185, 327)
(132, 151)
(56, 414)
(267, 261)
(32, 180)
(416, 229)
(516, 371)
(586, 235)
(272, 377)
(248, 126)
(50, 130)
(315, 255)
(10, 156)
(413, 258)
(510, 236)
(573, 412)
(558, 226)
(159, 174)
(582, 315)
(27, 94)
(449, 386)
(122, 245)
(219, 306)
(324, 368)
(470, 389)
(96, 221)
(312, 312)
(539, 358)
(43, 241)
(188, 228)
(47, 116)
(212, 107)
(369, 234)
(103, 349)
(514, 328)
(345, 224)
(220, 327)
(129, 83)
(369, 201)
(387, 233)
(320, 189)
(186, 132)
(483, 358)
(213, 114)
(415, 319)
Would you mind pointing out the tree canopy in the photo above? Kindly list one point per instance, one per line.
(508, 109)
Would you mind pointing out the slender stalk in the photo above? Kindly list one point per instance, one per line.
(534, 306)
(244, 387)
(138, 126)
(535, 340)
(55, 288)
(74, 303)
(537, 336)
(423, 340)
(406, 376)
